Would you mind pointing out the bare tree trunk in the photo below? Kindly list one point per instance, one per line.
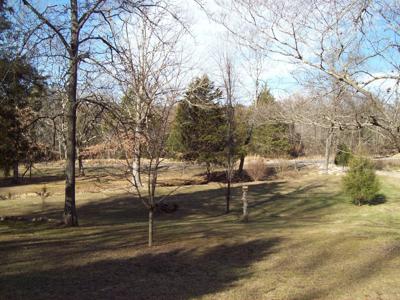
(136, 163)
(151, 226)
(328, 145)
(208, 172)
(229, 171)
(241, 165)
(229, 85)
(242, 156)
(65, 150)
(245, 217)
(70, 216)
(60, 152)
(228, 196)
(15, 171)
(80, 166)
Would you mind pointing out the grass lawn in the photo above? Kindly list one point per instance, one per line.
(305, 240)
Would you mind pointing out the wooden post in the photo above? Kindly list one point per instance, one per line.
(245, 217)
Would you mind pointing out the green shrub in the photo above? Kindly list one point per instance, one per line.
(360, 182)
(343, 155)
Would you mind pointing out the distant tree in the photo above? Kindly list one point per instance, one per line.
(360, 183)
(243, 134)
(88, 124)
(343, 155)
(265, 97)
(271, 140)
(247, 121)
(354, 37)
(199, 132)
(22, 87)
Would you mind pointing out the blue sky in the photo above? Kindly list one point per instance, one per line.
(209, 40)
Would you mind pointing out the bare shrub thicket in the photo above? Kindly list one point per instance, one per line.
(256, 168)
(387, 164)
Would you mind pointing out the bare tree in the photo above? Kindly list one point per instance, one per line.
(229, 82)
(75, 32)
(352, 41)
(89, 118)
(149, 70)
(254, 65)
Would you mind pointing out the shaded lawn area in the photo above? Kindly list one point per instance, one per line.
(305, 240)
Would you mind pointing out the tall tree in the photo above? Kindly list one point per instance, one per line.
(270, 137)
(229, 82)
(199, 132)
(19, 97)
(82, 35)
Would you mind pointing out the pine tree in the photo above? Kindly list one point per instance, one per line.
(199, 132)
(361, 183)
(343, 155)
(19, 98)
(272, 139)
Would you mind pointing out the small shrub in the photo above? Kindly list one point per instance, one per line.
(360, 182)
(343, 155)
(284, 167)
(256, 169)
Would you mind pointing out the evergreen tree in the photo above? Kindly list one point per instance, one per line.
(19, 98)
(265, 97)
(361, 183)
(199, 132)
(343, 155)
(271, 139)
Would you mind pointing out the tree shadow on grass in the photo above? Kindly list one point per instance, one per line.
(176, 274)
(266, 200)
(378, 199)
(126, 208)
(45, 179)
